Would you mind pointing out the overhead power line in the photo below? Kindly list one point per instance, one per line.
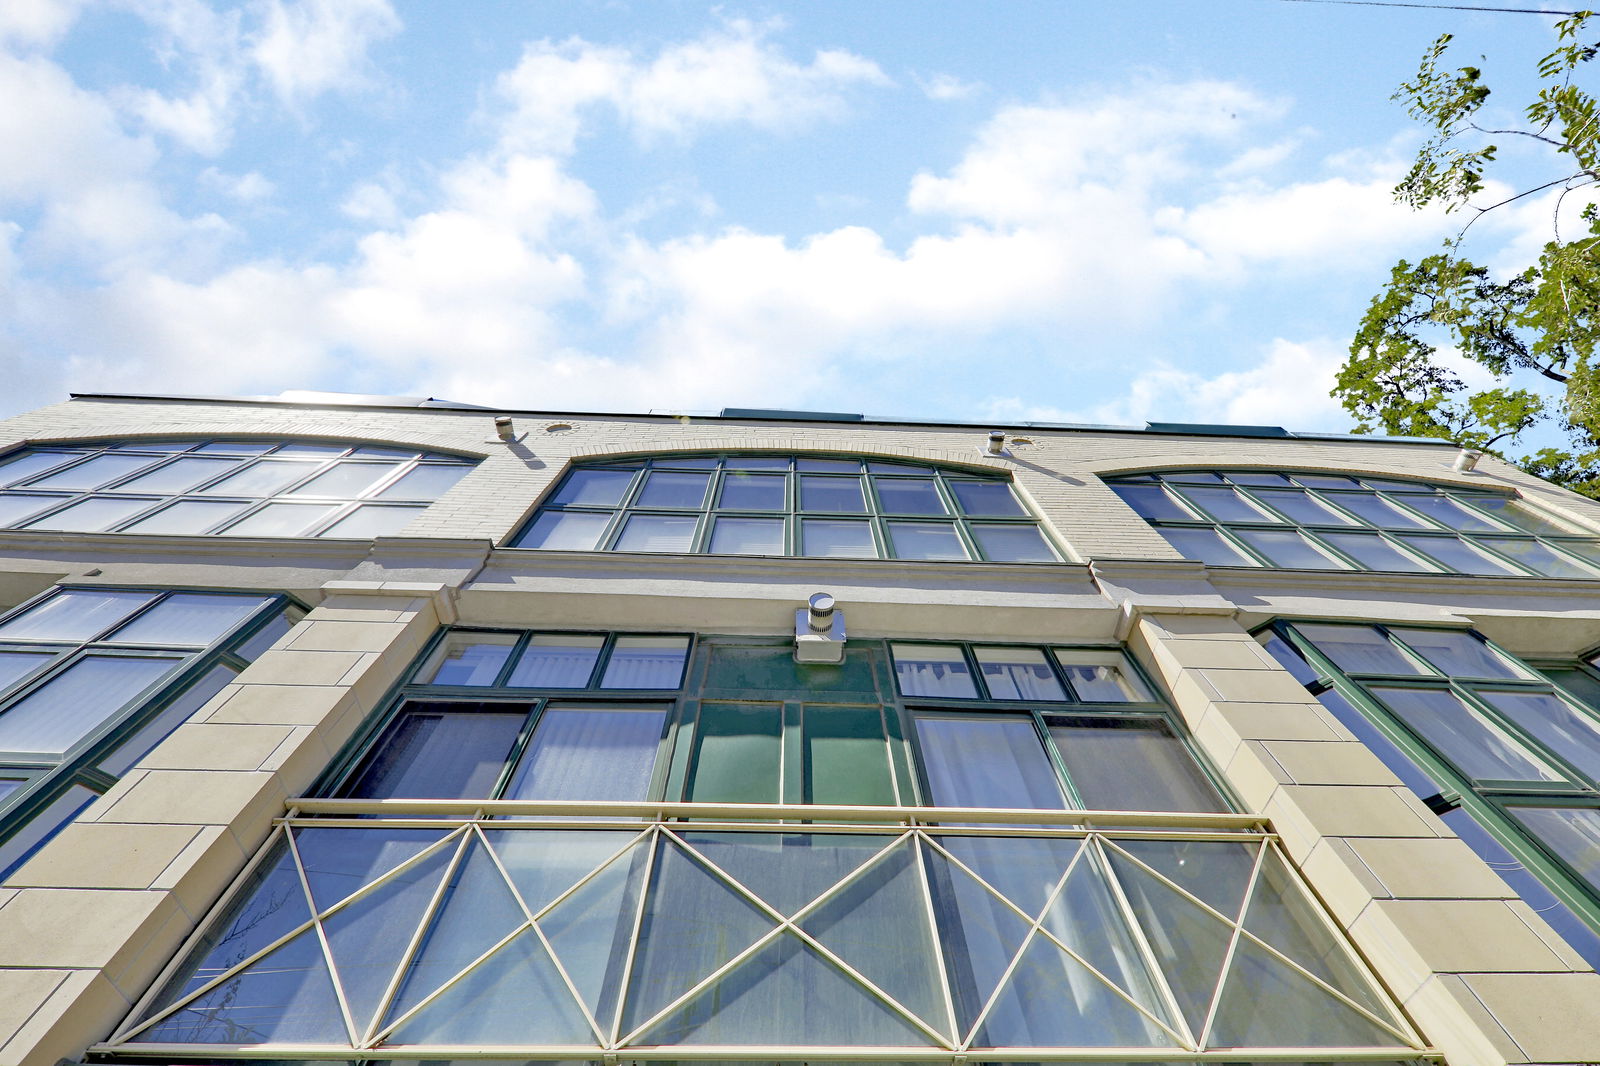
(1436, 7)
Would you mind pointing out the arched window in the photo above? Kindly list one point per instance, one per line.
(783, 505)
(1334, 522)
(246, 488)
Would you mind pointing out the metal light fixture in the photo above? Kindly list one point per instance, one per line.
(819, 630)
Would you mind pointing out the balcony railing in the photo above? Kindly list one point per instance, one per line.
(470, 929)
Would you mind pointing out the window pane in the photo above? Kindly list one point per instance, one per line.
(153, 732)
(467, 659)
(8, 785)
(1456, 653)
(441, 753)
(1403, 766)
(94, 472)
(72, 704)
(932, 670)
(1518, 515)
(27, 464)
(657, 533)
(985, 498)
(21, 845)
(1131, 764)
(321, 451)
(1571, 832)
(1536, 557)
(1225, 504)
(195, 618)
(1325, 480)
(347, 479)
(1288, 657)
(186, 516)
(1018, 674)
(1245, 478)
(1373, 552)
(989, 761)
(236, 447)
(14, 507)
(907, 496)
(573, 531)
(837, 538)
(1359, 649)
(692, 462)
(820, 493)
(1151, 501)
(372, 520)
(425, 482)
(1457, 555)
(555, 660)
(1194, 477)
(268, 635)
(16, 665)
(594, 488)
(753, 492)
(1206, 545)
(1302, 507)
(379, 451)
(590, 754)
(670, 488)
(1376, 510)
(180, 475)
(846, 757)
(747, 536)
(74, 615)
(1480, 749)
(1449, 513)
(91, 515)
(1560, 726)
(828, 466)
(280, 520)
(1289, 549)
(1101, 676)
(737, 754)
(646, 662)
(1012, 543)
(925, 540)
(262, 478)
(756, 462)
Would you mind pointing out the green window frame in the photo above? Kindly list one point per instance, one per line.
(1305, 521)
(770, 505)
(48, 788)
(203, 487)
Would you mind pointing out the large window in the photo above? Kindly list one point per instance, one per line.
(93, 678)
(242, 488)
(780, 505)
(1332, 522)
(1510, 761)
(596, 885)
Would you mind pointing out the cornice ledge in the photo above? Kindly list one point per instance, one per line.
(641, 563)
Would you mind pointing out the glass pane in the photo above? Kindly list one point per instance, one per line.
(1325, 480)
(1537, 557)
(153, 732)
(91, 515)
(1018, 674)
(16, 665)
(93, 473)
(186, 517)
(8, 785)
(1225, 504)
(196, 618)
(988, 761)
(1403, 766)
(1573, 833)
(1562, 728)
(594, 488)
(556, 660)
(985, 498)
(74, 703)
(693, 462)
(280, 520)
(657, 533)
(347, 479)
(1377, 510)
(1013, 543)
(646, 662)
(262, 478)
(14, 507)
(442, 752)
(1288, 657)
(1240, 477)
(932, 670)
(264, 638)
(20, 846)
(846, 757)
(1359, 649)
(379, 451)
(27, 464)
(756, 462)
(1374, 552)
(74, 615)
(818, 493)
(320, 451)
(1101, 676)
(670, 488)
(747, 536)
(837, 538)
(1206, 545)
(425, 482)
(908, 496)
(1151, 501)
(1193, 477)
(926, 540)
(372, 520)
(1131, 764)
(1479, 749)
(753, 492)
(1289, 549)
(573, 531)
(828, 466)
(1302, 507)
(180, 475)
(1518, 515)
(591, 753)
(1457, 555)
(237, 447)
(1456, 653)
(467, 659)
(1449, 513)
(738, 755)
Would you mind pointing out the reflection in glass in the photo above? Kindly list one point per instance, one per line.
(989, 760)
(1573, 833)
(180, 475)
(54, 717)
(594, 488)
(556, 660)
(1373, 552)
(1289, 549)
(932, 670)
(281, 520)
(820, 493)
(837, 538)
(1152, 502)
(673, 489)
(576, 531)
(372, 520)
(1206, 545)
(91, 515)
(1013, 543)
(1301, 507)
(1131, 764)
(657, 533)
(1225, 504)
(646, 662)
(590, 753)
(1457, 555)
(467, 659)
(186, 517)
(1359, 649)
(986, 498)
(926, 540)
(753, 492)
(16, 665)
(94, 473)
(747, 536)
(265, 477)
(909, 496)
(1101, 676)
(1018, 674)
(1478, 747)
(441, 751)
(74, 615)
(426, 482)
(1561, 727)
(197, 618)
(346, 479)
(1456, 653)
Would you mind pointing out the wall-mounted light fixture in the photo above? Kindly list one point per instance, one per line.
(819, 630)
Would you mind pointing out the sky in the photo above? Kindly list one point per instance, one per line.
(1095, 211)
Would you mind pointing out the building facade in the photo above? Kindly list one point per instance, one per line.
(353, 730)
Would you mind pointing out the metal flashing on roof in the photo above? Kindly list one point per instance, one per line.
(791, 416)
(1208, 429)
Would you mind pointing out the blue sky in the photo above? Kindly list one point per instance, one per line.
(1079, 210)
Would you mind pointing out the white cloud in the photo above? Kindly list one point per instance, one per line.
(37, 22)
(948, 87)
(308, 47)
(248, 188)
